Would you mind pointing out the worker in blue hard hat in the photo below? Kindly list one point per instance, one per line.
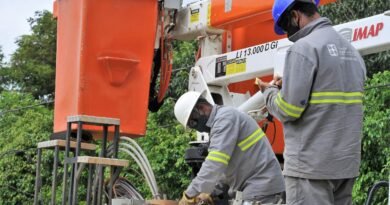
(283, 13)
(319, 104)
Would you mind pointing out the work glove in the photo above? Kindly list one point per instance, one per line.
(201, 199)
(204, 199)
(185, 200)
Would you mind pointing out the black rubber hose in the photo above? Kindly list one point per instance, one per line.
(154, 105)
(373, 189)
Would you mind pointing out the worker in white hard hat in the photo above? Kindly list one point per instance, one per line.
(319, 104)
(238, 152)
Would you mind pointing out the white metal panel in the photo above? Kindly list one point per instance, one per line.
(193, 21)
(173, 4)
(242, 64)
(368, 35)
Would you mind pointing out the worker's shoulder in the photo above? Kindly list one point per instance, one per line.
(303, 47)
(227, 112)
(320, 37)
(316, 41)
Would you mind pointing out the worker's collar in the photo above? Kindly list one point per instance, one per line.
(310, 27)
(210, 121)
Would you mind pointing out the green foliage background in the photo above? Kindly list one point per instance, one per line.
(375, 164)
(32, 66)
(20, 131)
(164, 146)
(29, 78)
(376, 140)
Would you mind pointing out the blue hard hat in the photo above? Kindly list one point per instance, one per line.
(279, 7)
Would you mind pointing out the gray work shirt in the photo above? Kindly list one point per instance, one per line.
(239, 156)
(320, 104)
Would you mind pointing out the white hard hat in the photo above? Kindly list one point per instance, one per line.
(184, 106)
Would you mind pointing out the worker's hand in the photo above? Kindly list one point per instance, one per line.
(185, 200)
(204, 199)
(201, 199)
(278, 81)
(263, 85)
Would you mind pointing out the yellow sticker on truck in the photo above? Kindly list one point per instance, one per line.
(234, 66)
(194, 15)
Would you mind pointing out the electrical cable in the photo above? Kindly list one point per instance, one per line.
(144, 171)
(131, 148)
(377, 86)
(269, 119)
(25, 107)
(142, 166)
(141, 160)
(373, 189)
(265, 126)
(123, 188)
(141, 152)
(146, 161)
(154, 105)
(179, 69)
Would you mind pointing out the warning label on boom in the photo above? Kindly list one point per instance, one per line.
(235, 66)
(220, 66)
(194, 15)
(224, 67)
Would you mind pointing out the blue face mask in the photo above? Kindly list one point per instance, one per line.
(198, 121)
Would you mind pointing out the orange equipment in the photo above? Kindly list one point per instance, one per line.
(105, 51)
(104, 59)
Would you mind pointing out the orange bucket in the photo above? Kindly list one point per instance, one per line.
(104, 59)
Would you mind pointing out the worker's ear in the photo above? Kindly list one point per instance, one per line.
(295, 16)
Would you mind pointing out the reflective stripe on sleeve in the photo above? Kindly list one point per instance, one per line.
(218, 157)
(251, 140)
(289, 109)
(336, 98)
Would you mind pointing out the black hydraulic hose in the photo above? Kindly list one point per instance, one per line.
(154, 105)
(373, 189)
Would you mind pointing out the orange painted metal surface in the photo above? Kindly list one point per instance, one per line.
(104, 59)
(250, 23)
(243, 12)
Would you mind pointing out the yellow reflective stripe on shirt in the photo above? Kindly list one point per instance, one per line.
(251, 140)
(218, 157)
(285, 110)
(221, 154)
(336, 98)
(290, 106)
(289, 109)
(249, 137)
(316, 94)
(330, 101)
(217, 160)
